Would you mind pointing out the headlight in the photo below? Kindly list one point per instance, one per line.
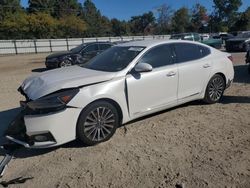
(53, 102)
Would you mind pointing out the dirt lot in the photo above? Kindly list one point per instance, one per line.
(194, 145)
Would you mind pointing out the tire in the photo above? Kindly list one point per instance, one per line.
(215, 89)
(65, 63)
(92, 130)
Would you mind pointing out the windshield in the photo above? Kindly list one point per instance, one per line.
(114, 59)
(78, 48)
(243, 35)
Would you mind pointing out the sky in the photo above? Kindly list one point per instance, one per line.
(124, 9)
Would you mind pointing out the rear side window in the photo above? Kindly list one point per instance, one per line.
(187, 52)
(158, 56)
(204, 51)
(91, 48)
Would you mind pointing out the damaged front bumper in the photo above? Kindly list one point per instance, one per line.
(43, 130)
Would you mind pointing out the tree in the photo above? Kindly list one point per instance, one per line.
(243, 23)
(41, 6)
(9, 6)
(142, 24)
(119, 28)
(93, 18)
(41, 25)
(199, 18)
(225, 12)
(164, 20)
(181, 21)
(71, 26)
(67, 7)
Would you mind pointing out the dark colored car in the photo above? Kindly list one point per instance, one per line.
(215, 43)
(248, 60)
(79, 55)
(239, 43)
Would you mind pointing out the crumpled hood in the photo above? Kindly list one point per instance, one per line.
(48, 82)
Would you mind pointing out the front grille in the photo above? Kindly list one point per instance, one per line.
(17, 126)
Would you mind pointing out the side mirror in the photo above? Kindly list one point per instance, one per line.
(143, 67)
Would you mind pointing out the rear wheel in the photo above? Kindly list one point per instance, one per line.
(215, 89)
(97, 123)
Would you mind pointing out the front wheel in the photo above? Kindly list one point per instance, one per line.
(65, 63)
(97, 123)
(215, 89)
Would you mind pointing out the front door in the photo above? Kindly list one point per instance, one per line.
(153, 90)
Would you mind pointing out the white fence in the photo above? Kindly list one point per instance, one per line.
(54, 45)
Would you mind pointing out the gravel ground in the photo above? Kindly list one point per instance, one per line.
(194, 145)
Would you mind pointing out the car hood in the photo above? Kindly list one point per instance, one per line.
(59, 54)
(48, 82)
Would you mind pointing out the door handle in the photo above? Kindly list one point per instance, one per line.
(206, 65)
(171, 73)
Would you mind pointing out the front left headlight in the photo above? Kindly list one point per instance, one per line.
(53, 102)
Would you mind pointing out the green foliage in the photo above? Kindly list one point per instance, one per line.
(243, 23)
(199, 18)
(41, 6)
(69, 18)
(164, 20)
(119, 28)
(13, 29)
(71, 26)
(142, 24)
(9, 7)
(225, 13)
(41, 25)
(93, 18)
(181, 21)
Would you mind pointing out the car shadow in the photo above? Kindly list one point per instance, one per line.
(7, 116)
(40, 70)
(235, 99)
(241, 74)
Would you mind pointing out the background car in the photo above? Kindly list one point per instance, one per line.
(79, 55)
(239, 43)
(248, 60)
(216, 43)
(123, 83)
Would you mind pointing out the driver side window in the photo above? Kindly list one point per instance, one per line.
(158, 56)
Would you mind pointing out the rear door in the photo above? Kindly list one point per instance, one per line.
(194, 66)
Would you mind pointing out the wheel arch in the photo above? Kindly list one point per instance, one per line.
(111, 101)
(223, 76)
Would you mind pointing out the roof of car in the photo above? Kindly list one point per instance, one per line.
(153, 42)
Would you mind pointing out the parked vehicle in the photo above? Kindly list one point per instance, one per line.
(239, 43)
(79, 55)
(216, 43)
(222, 36)
(248, 60)
(125, 82)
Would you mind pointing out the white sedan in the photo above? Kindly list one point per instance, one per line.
(125, 82)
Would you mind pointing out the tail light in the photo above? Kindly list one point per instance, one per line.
(231, 58)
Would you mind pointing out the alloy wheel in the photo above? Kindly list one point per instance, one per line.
(216, 88)
(99, 124)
